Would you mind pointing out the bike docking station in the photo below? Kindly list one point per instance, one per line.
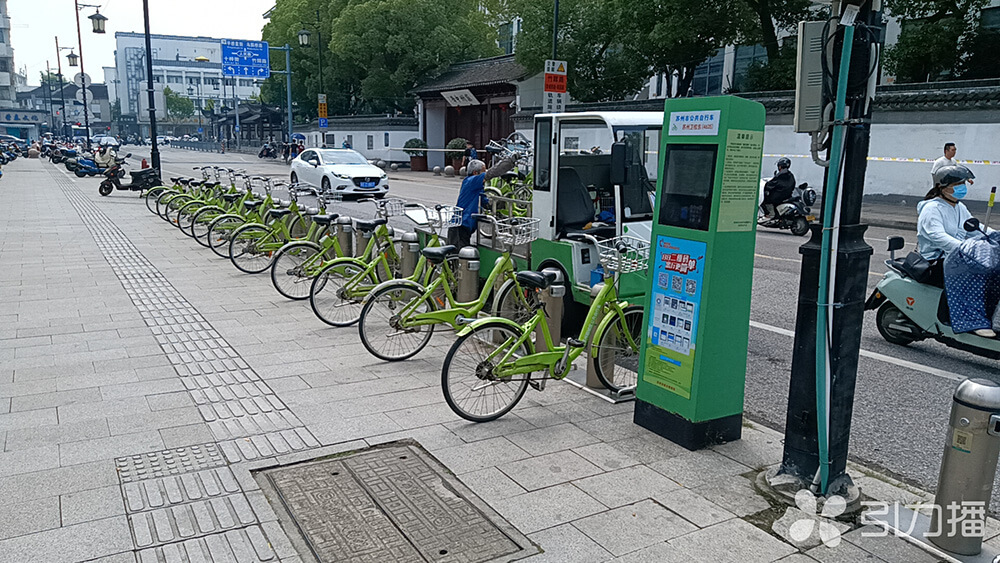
(692, 365)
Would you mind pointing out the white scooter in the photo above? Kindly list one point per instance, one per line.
(910, 311)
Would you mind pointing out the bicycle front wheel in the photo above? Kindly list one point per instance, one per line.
(185, 216)
(246, 249)
(220, 232)
(379, 324)
(288, 274)
(202, 220)
(334, 294)
(616, 362)
(151, 196)
(467, 380)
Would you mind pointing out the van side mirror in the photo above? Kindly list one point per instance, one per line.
(619, 164)
(895, 243)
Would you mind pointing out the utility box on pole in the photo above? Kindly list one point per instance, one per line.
(692, 366)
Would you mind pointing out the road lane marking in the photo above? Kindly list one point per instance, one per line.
(870, 273)
(873, 355)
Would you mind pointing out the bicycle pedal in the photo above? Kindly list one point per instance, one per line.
(575, 343)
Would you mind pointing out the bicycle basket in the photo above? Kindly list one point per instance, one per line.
(517, 230)
(633, 259)
(393, 206)
(445, 216)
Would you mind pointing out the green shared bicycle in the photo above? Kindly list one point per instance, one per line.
(488, 369)
(252, 247)
(399, 316)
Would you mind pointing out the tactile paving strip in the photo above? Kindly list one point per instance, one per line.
(254, 425)
(392, 503)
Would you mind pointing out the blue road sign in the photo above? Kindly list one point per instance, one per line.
(323, 123)
(201, 129)
(245, 58)
(237, 128)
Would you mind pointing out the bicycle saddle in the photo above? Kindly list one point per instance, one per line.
(536, 280)
(252, 204)
(184, 181)
(194, 183)
(210, 184)
(369, 226)
(438, 254)
(325, 219)
(176, 180)
(231, 197)
(278, 213)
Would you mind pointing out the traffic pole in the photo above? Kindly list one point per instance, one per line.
(154, 152)
(801, 457)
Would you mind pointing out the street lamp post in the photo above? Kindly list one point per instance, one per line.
(154, 152)
(191, 93)
(288, 83)
(62, 90)
(98, 22)
(304, 41)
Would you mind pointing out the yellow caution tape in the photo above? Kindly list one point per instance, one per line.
(897, 159)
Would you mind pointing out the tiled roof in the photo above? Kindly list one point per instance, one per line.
(482, 72)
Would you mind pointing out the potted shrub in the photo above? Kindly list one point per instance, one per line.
(455, 157)
(418, 158)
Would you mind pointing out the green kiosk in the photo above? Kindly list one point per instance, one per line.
(692, 367)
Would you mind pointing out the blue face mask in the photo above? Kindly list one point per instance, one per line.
(961, 191)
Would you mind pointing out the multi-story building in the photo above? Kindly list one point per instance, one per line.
(8, 97)
(189, 66)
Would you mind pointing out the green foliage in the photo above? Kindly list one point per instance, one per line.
(456, 143)
(49, 77)
(774, 74)
(941, 40)
(374, 51)
(116, 110)
(178, 107)
(415, 143)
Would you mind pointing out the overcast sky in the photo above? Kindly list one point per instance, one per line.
(36, 23)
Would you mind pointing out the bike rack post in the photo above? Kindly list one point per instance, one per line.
(345, 235)
(968, 467)
(592, 380)
(552, 298)
(409, 253)
(468, 274)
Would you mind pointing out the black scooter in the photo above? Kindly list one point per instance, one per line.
(794, 214)
(141, 180)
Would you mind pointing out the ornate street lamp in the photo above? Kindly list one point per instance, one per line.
(98, 20)
(73, 59)
(304, 37)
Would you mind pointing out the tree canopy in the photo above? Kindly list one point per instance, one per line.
(178, 107)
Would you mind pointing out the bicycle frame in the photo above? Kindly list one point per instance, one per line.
(356, 289)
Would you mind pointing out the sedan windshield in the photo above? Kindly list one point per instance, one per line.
(342, 157)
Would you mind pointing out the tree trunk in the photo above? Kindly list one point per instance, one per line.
(768, 34)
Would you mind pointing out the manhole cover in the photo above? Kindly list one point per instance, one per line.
(392, 503)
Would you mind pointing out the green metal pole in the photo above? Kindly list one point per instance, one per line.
(822, 307)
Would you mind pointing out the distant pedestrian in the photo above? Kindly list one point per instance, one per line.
(285, 151)
(295, 151)
(947, 160)
(345, 144)
(470, 154)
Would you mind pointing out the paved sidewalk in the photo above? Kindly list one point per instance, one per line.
(142, 379)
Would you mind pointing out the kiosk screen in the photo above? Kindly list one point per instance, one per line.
(688, 179)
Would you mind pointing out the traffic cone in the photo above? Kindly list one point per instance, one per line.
(145, 164)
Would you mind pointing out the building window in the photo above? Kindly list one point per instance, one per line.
(229, 82)
(330, 139)
(194, 80)
(171, 79)
(505, 38)
(386, 142)
(708, 75)
(212, 82)
(350, 141)
(246, 83)
(991, 18)
(747, 56)
(3, 66)
(371, 142)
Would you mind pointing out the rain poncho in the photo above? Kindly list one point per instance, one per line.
(972, 282)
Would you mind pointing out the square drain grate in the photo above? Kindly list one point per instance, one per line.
(390, 503)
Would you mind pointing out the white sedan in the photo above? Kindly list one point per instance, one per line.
(339, 171)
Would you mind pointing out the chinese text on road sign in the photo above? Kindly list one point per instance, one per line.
(245, 58)
(555, 87)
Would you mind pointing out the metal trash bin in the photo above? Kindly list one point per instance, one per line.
(968, 467)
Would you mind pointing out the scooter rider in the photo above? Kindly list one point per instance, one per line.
(940, 230)
(780, 188)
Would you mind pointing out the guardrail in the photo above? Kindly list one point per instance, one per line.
(203, 146)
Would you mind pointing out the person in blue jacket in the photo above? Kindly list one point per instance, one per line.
(471, 193)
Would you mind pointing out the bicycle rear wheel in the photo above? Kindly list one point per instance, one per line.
(379, 329)
(245, 248)
(220, 232)
(330, 294)
(467, 380)
(287, 273)
(202, 220)
(515, 303)
(185, 216)
(616, 362)
(151, 196)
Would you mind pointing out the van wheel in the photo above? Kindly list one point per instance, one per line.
(800, 227)
(895, 327)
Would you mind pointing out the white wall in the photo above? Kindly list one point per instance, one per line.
(434, 126)
(975, 141)
(359, 142)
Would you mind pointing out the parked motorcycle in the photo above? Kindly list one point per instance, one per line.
(101, 159)
(141, 180)
(794, 214)
(911, 309)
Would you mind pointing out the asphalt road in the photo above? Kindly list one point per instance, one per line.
(903, 394)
